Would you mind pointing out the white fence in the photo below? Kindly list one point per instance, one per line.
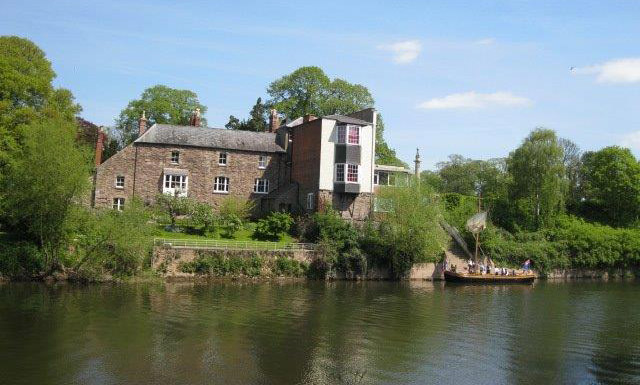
(231, 245)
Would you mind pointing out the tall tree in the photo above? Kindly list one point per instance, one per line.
(308, 90)
(537, 171)
(44, 184)
(162, 105)
(572, 164)
(471, 177)
(26, 93)
(257, 119)
(611, 185)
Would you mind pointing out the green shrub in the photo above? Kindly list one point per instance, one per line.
(20, 259)
(203, 217)
(289, 267)
(273, 226)
(230, 225)
(221, 265)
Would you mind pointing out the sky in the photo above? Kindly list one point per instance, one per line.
(449, 77)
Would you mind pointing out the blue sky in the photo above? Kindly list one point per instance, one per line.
(467, 77)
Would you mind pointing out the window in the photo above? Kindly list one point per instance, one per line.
(261, 186)
(119, 181)
(352, 173)
(339, 172)
(342, 134)
(222, 159)
(175, 185)
(310, 201)
(354, 135)
(262, 162)
(118, 204)
(349, 134)
(346, 173)
(221, 184)
(175, 157)
(376, 178)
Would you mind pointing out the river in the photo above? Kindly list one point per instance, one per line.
(320, 333)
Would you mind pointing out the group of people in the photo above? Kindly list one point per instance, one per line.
(489, 268)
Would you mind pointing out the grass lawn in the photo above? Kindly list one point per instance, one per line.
(242, 235)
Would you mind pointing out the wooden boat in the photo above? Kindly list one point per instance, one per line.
(450, 276)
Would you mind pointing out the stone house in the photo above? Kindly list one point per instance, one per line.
(302, 166)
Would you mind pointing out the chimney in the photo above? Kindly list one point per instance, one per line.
(274, 120)
(99, 147)
(142, 125)
(195, 118)
(417, 167)
(308, 118)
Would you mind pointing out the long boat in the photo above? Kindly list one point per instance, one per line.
(451, 276)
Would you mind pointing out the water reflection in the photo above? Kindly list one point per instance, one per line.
(320, 333)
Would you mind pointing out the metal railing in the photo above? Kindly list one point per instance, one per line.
(231, 245)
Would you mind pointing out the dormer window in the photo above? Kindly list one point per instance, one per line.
(222, 159)
(175, 157)
(349, 134)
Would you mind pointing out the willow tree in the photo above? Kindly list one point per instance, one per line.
(539, 186)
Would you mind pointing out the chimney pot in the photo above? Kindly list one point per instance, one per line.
(274, 120)
(142, 124)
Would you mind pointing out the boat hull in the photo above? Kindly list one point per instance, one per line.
(451, 276)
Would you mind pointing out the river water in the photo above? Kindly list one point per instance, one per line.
(320, 333)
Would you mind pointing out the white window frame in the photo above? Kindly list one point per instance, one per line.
(118, 204)
(118, 184)
(261, 182)
(262, 162)
(310, 201)
(223, 159)
(349, 168)
(376, 177)
(344, 134)
(175, 157)
(181, 180)
(221, 185)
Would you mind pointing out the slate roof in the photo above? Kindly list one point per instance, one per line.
(347, 120)
(210, 138)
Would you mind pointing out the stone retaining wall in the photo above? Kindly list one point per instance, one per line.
(604, 274)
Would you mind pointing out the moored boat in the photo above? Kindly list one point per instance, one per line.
(451, 276)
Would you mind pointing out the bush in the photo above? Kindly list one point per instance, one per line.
(21, 260)
(221, 265)
(230, 225)
(203, 217)
(273, 226)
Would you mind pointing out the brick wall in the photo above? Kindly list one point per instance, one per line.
(145, 180)
(305, 158)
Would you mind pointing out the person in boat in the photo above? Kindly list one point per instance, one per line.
(445, 265)
(496, 270)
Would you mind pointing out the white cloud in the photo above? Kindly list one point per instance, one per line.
(486, 41)
(631, 140)
(474, 99)
(403, 51)
(613, 71)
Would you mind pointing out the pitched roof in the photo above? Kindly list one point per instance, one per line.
(347, 120)
(211, 138)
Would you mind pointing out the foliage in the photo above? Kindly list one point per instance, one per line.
(257, 119)
(338, 244)
(273, 226)
(572, 166)
(202, 216)
(174, 206)
(538, 187)
(611, 186)
(27, 94)
(219, 264)
(44, 184)
(161, 104)
(21, 259)
(113, 241)
(239, 207)
(384, 153)
(410, 231)
(230, 225)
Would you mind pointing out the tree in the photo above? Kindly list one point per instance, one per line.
(472, 177)
(308, 90)
(174, 206)
(538, 185)
(161, 104)
(26, 93)
(202, 215)
(44, 184)
(257, 121)
(572, 164)
(611, 185)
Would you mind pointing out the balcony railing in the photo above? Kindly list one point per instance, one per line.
(217, 244)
